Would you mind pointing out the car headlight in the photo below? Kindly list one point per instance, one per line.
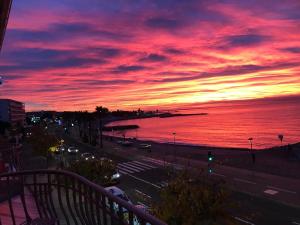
(69, 150)
(116, 175)
(76, 150)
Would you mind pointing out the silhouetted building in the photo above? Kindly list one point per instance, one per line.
(12, 111)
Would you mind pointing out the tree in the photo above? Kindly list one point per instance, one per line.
(99, 171)
(101, 112)
(41, 141)
(189, 201)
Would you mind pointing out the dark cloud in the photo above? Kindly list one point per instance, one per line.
(154, 58)
(106, 52)
(37, 59)
(56, 32)
(162, 23)
(104, 82)
(126, 68)
(243, 40)
(291, 49)
(174, 51)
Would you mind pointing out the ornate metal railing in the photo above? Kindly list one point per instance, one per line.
(61, 197)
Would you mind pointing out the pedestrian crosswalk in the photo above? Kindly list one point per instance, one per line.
(135, 167)
(144, 163)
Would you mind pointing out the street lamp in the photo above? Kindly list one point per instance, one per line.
(252, 153)
(174, 134)
(280, 137)
(250, 141)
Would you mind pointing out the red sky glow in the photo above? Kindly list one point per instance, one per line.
(76, 54)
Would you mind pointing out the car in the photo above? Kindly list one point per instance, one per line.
(116, 176)
(72, 150)
(87, 156)
(145, 146)
(118, 193)
(60, 149)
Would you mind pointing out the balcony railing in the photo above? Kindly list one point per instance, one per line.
(60, 197)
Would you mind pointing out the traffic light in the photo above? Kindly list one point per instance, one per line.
(210, 157)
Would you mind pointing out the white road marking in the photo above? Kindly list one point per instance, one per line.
(129, 168)
(143, 204)
(244, 221)
(218, 174)
(244, 181)
(145, 165)
(126, 170)
(147, 182)
(142, 193)
(156, 161)
(122, 172)
(280, 189)
(271, 192)
(134, 164)
(295, 223)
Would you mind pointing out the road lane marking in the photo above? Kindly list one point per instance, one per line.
(129, 168)
(244, 181)
(295, 223)
(126, 170)
(132, 166)
(145, 165)
(143, 204)
(283, 190)
(217, 174)
(244, 221)
(147, 182)
(271, 192)
(142, 193)
(138, 166)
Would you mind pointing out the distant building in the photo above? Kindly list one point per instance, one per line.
(12, 111)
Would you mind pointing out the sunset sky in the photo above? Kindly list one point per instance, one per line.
(76, 54)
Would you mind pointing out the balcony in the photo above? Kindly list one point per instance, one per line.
(57, 197)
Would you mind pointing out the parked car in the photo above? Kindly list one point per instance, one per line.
(145, 146)
(72, 150)
(87, 156)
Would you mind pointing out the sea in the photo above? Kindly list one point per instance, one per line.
(229, 124)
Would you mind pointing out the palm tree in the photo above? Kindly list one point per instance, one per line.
(101, 112)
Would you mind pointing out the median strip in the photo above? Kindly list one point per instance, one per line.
(244, 221)
(283, 190)
(147, 182)
(244, 181)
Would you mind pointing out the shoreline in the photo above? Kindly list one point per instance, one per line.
(202, 147)
(267, 161)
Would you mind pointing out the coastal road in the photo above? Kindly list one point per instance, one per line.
(144, 177)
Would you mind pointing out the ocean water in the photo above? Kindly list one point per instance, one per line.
(227, 125)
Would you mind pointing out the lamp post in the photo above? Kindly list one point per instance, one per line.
(174, 135)
(280, 137)
(252, 153)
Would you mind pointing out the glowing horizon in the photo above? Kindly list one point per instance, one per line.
(69, 55)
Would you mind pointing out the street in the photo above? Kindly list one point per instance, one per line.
(143, 177)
